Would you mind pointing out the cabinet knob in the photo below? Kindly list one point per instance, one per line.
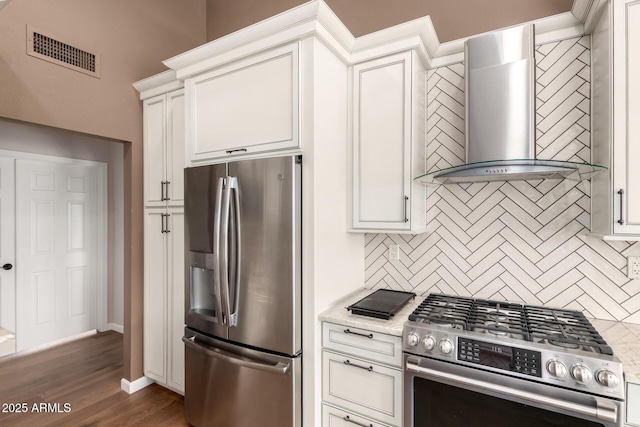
(7, 266)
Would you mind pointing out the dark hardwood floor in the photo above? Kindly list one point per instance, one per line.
(80, 382)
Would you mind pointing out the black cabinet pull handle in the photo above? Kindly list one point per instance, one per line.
(348, 331)
(348, 363)
(162, 191)
(242, 150)
(166, 190)
(406, 199)
(7, 266)
(349, 420)
(621, 220)
(166, 230)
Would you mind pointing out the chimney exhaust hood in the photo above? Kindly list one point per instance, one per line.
(500, 128)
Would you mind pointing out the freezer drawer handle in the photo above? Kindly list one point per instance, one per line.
(602, 410)
(348, 363)
(348, 331)
(278, 368)
(349, 420)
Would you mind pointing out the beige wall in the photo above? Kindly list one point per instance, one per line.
(132, 37)
(451, 19)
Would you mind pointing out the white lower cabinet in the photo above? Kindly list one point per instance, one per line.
(633, 404)
(335, 417)
(360, 386)
(164, 297)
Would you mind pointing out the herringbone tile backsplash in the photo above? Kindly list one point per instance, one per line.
(523, 241)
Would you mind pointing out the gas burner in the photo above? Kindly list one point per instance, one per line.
(559, 342)
(496, 328)
(495, 314)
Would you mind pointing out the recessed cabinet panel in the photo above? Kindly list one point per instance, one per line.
(362, 386)
(250, 106)
(175, 148)
(154, 149)
(632, 137)
(388, 138)
(334, 417)
(381, 143)
(175, 290)
(615, 212)
(155, 286)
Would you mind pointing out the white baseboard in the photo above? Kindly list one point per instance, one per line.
(115, 327)
(132, 387)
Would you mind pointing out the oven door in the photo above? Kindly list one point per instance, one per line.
(444, 394)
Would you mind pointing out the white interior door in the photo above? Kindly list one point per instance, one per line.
(57, 250)
(7, 245)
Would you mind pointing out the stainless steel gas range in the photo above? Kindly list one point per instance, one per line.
(472, 362)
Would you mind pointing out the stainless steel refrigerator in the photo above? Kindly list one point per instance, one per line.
(243, 293)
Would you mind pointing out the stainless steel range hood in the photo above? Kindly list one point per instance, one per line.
(500, 115)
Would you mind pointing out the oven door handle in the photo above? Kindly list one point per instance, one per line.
(601, 411)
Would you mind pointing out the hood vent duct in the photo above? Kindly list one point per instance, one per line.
(500, 115)
(45, 47)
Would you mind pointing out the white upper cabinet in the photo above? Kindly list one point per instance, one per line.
(250, 106)
(616, 133)
(164, 130)
(388, 144)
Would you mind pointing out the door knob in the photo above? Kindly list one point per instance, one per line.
(7, 267)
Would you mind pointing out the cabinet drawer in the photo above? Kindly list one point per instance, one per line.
(335, 417)
(362, 386)
(375, 346)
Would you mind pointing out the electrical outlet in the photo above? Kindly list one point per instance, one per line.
(394, 252)
(633, 267)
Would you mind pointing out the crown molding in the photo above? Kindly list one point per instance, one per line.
(313, 18)
(158, 84)
(316, 19)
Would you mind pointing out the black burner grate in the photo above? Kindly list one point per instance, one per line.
(443, 310)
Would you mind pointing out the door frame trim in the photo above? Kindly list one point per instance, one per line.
(101, 221)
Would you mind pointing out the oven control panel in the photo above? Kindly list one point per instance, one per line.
(500, 356)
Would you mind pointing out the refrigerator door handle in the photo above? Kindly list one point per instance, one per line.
(235, 254)
(216, 253)
(224, 253)
(225, 356)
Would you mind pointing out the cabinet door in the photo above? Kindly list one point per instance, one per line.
(155, 291)
(154, 125)
(626, 110)
(175, 295)
(382, 143)
(248, 107)
(175, 148)
(362, 386)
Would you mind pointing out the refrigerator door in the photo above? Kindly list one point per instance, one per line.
(203, 292)
(229, 386)
(266, 302)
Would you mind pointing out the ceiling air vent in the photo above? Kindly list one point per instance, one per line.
(48, 48)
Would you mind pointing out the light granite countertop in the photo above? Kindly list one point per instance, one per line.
(624, 338)
(340, 315)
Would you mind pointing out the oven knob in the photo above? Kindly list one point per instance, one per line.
(446, 346)
(607, 378)
(412, 339)
(556, 368)
(428, 343)
(581, 373)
